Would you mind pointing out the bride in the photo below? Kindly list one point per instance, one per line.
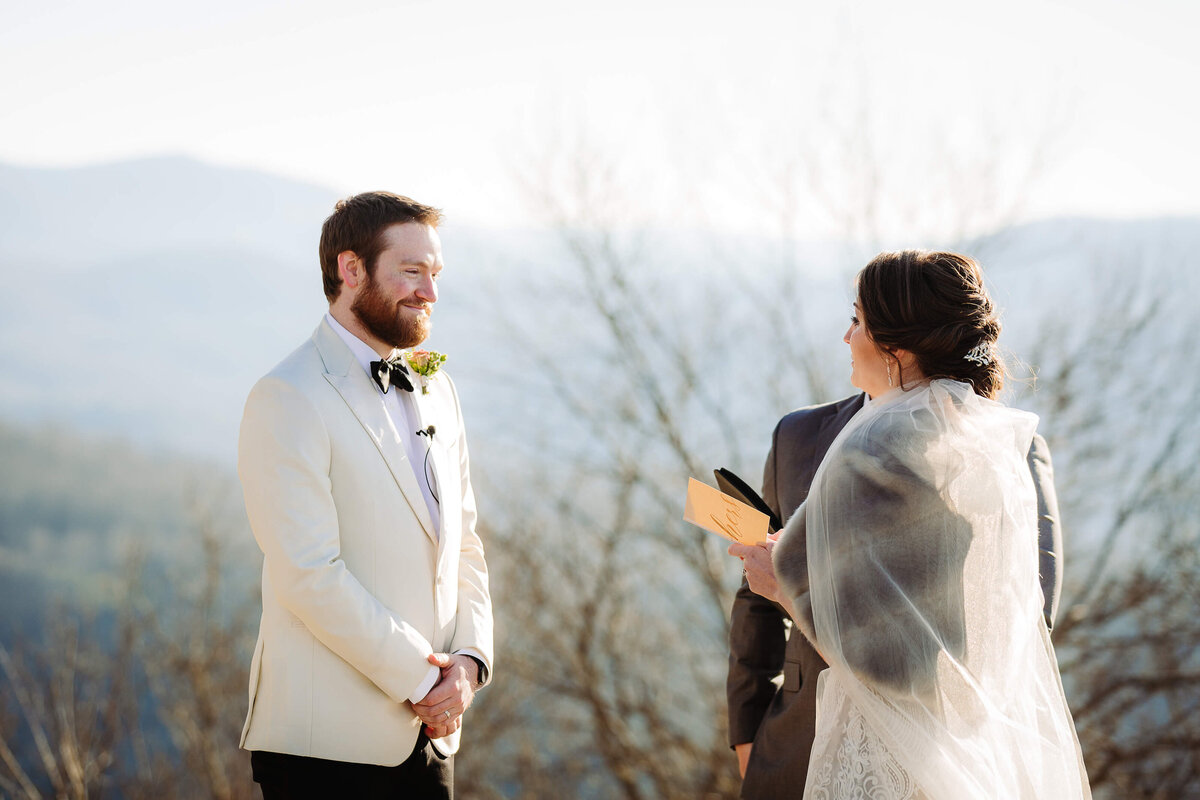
(912, 566)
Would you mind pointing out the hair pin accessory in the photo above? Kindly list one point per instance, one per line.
(980, 354)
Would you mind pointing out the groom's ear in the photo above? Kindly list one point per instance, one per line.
(350, 268)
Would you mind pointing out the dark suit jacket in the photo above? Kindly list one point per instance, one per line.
(772, 682)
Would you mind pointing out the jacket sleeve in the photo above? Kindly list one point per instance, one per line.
(283, 462)
(1050, 542)
(473, 622)
(891, 563)
(757, 642)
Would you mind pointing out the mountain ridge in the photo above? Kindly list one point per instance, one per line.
(170, 327)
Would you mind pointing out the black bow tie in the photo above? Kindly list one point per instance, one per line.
(391, 373)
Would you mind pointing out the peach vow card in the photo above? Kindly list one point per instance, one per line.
(721, 514)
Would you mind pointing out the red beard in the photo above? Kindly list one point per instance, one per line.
(386, 320)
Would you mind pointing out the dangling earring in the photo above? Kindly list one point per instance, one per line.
(888, 363)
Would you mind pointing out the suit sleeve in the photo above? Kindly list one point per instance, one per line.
(1050, 543)
(473, 622)
(283, 463)
(757, 641)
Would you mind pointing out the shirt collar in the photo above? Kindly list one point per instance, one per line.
(362, 351)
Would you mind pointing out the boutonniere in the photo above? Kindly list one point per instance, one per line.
(426, 364)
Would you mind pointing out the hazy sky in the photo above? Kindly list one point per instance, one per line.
(452, 101)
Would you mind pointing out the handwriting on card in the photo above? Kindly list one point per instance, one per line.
(719, 513)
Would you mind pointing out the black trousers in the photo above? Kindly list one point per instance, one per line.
(425, 774)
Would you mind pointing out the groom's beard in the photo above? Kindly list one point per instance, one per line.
(389, 321)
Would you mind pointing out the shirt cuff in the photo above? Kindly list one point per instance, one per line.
(425, 685)
(479, 659)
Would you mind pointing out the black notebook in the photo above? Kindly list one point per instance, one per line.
(738, 489)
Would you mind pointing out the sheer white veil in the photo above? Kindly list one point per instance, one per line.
(914, 570)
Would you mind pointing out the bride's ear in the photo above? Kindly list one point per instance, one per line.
(904, 358)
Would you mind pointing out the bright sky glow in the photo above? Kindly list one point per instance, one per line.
(447, 101)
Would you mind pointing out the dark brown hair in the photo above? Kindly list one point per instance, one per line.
(934, 305)
(357, 224)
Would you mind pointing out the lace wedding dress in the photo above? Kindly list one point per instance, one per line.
(913, 568)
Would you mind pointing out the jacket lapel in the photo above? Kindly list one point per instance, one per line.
(354, 385)
(832, 425)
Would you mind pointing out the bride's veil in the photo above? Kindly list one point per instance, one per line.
(925, 602)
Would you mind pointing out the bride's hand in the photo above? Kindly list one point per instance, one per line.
(760, 573)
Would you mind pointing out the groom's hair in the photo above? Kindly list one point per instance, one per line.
(357, 224)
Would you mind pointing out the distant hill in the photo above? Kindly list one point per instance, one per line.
(75, 509)
(144, 297)
(79, 218)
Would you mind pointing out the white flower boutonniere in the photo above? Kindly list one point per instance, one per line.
(426, 364)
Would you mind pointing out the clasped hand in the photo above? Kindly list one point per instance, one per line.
(441, 710)
(760, 572)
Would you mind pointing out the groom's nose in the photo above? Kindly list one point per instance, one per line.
(427, 289)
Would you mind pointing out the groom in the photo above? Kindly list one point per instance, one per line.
(772, 682)
(377, 622)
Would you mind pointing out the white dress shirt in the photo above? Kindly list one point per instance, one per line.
(400, 409)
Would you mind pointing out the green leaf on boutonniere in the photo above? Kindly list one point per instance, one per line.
(426, 364)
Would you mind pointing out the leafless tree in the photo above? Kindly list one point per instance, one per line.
(1115, 389)
(194, 650)
(69, 703)
(613, 614)
(150, 711)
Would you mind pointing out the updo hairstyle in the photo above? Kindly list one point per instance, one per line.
(934, 305)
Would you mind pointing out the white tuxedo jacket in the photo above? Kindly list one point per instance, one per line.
(357, 588)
